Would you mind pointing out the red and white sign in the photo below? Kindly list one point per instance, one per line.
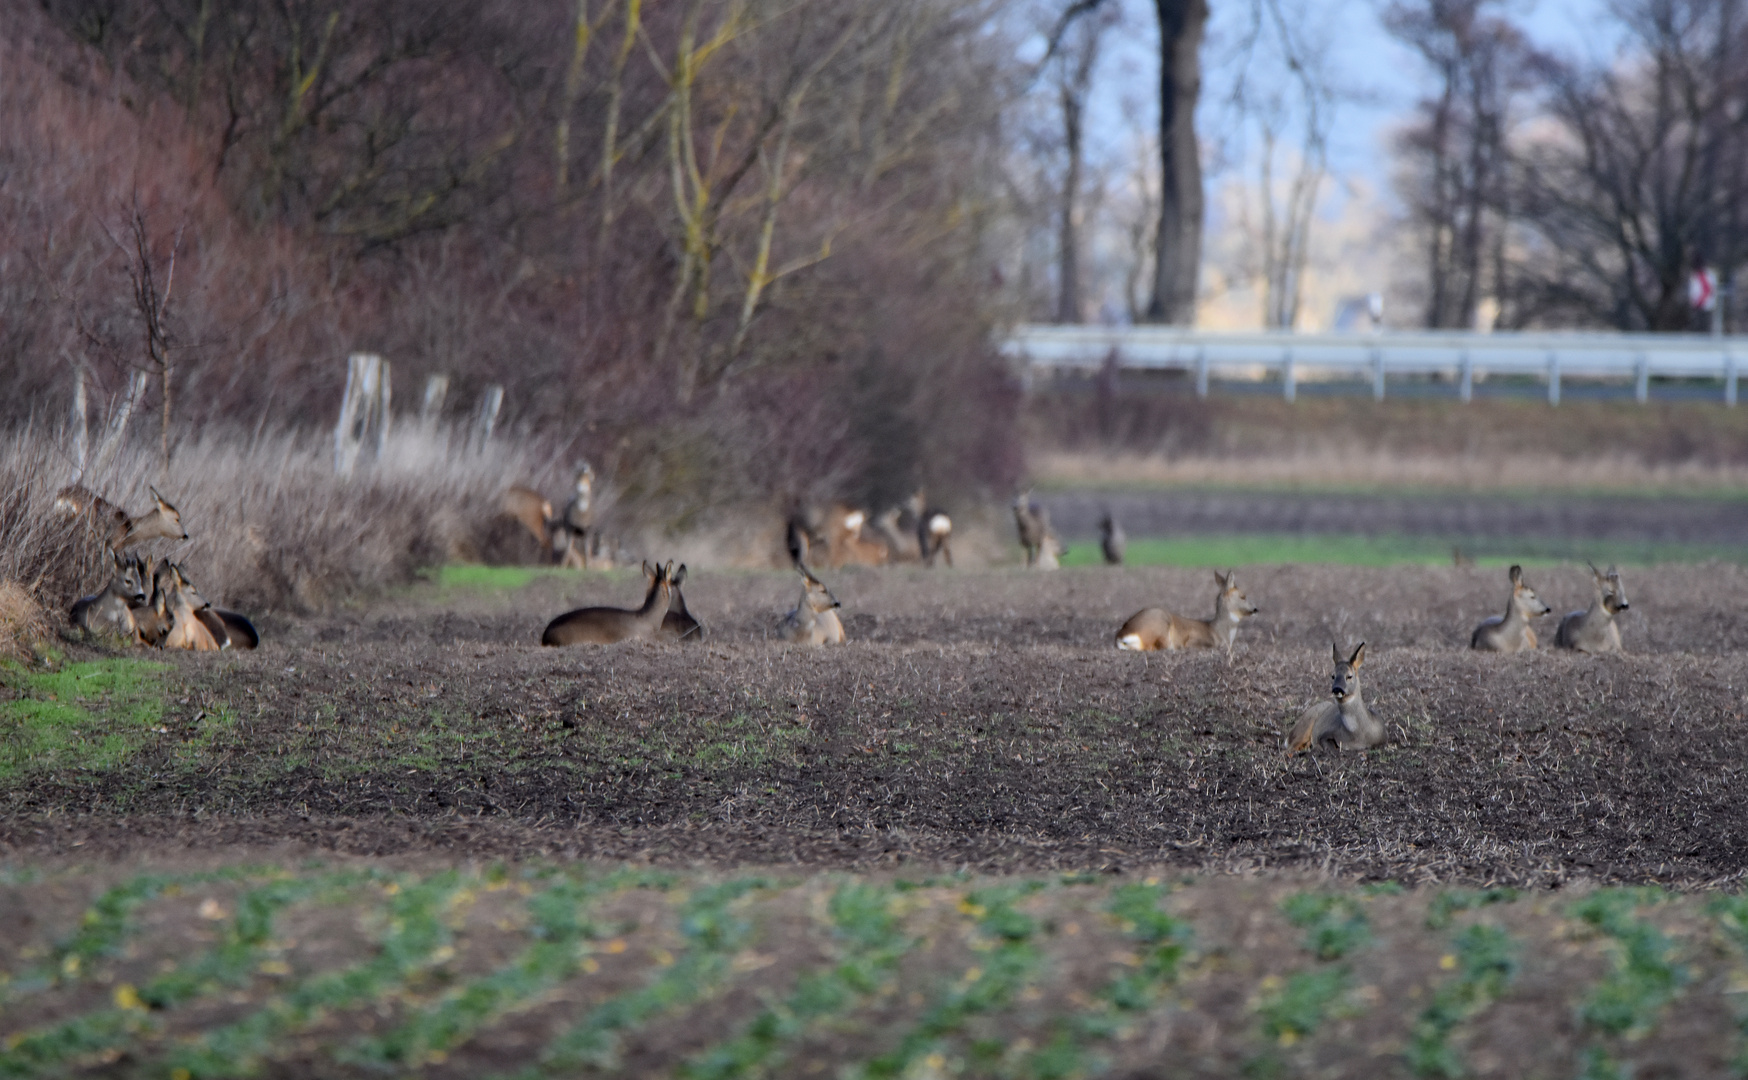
(1702, 290)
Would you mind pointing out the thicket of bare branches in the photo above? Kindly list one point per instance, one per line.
(1562, 191)
(735, 248)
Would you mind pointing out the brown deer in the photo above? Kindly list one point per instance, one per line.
(1112, 540)
(1511, 632)
(815, 619)
(844, 540)
(934, 536)
(1043, 549)
(110, 612)
(1342, 724)
(192, 624)
(152, 619)
(1155, 629)
(118, 528)
(678, 622)
(573, 536)
(1594, 629)
(531, 509)
(607, 625)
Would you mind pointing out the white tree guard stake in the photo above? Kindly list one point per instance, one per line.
(364, 405)
(485, 420)
(436, 390)
(80, 416)
(119, 415)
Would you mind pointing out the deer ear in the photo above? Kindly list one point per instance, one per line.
(1335, 647)
(1219, 579)
(679, 575)
(1516, 575)
(1358, 657)
(1612, 572)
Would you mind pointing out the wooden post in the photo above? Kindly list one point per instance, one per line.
(1377, 374)
(436, 389)
(1642, 380)
(1554, 379)
(485, 420)
(1289, 380)
(81, 418)
(362, 402)
(1465, 377)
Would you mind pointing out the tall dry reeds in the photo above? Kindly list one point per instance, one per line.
(270, 525)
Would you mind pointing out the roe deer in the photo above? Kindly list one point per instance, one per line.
(1342, 724)
(1153, 629)
(934, 536)
(1511, 632)
(814, 620)
(844, 541)
(193, 626)
(152, 619)
(110, 612)
(1043, 549)
(678, 622)
(1112, 541)
(229, 630)
(1594, 629)
(532, 509)
(118, 528)
(572, 534)
(606, 625)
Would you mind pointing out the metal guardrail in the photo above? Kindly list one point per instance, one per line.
(1462, 357)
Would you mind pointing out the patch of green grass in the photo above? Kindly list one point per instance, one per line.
(1485, 960)
(1389, 550)
(495, 578)
(1334, 924)
(92, 715)
(1643, 976)
(1448, 902)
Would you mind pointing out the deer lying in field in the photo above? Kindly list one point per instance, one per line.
(117, 527)
(1511, 632)
(1344, 723)
(1155, 629)
(193, 626)
(678, 622)
(1594, 629)
(110, 612)
(607, 625)
(1044, 550)
(815, 619)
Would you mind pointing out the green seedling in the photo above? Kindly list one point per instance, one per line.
(1643, 976)
(1448, 902)
(1485, 960)
(1334, 925)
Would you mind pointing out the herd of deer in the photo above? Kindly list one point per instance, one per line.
(148, 601)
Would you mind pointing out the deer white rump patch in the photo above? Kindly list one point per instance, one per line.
(940, 525)
(853, 520)
(1131, 642)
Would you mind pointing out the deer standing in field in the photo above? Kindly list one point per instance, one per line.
(934, 536)
(1112, 540)
(678, 622)
(110, 612)
(531, 509)
(117, 527)
(1594, 629)
(1043, 550)
(572, 533)
(815, 619)
(607, 625)
(1344, 723)
(1154, 629)
(1511, 632)
(844, 540)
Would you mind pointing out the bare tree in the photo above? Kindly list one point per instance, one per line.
(151, 301)
(1072, 67)
(1456, 180)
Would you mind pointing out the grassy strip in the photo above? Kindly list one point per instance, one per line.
(1643, 977)
(1160, 943)
(562, 929)
(416, 939)
(713, 933)
(1268, 549)
(91, 715)
(1011, 958)
(1731, 913)
(1293, 1008)
(232, 962)
(1445, 906)
(1485, 960)
(872, 941)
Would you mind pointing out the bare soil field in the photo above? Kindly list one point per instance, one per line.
(981, 721)
(977, 840)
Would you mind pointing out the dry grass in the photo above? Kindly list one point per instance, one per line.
(270, 525)
(21, 621)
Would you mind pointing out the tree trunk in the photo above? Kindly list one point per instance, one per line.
(1179, 244)
(1068, 300)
